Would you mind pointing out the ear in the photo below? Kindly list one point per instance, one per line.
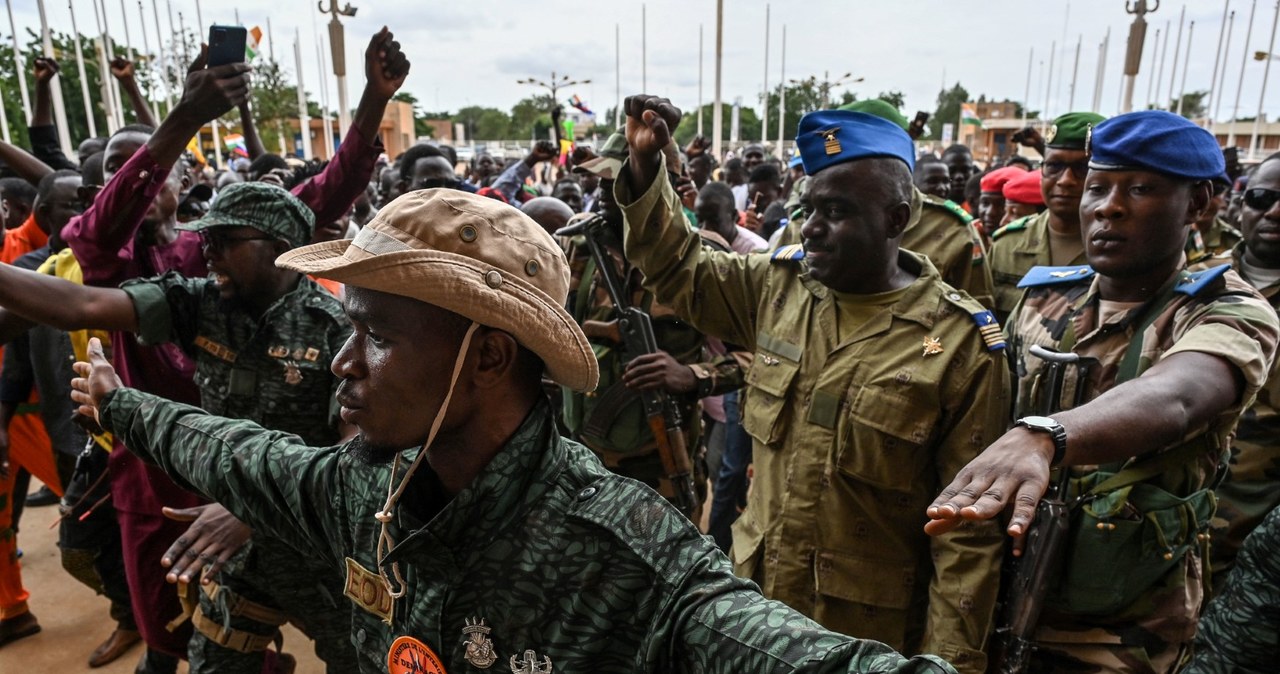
(897, 217)
(496, 355)
(1201, 195)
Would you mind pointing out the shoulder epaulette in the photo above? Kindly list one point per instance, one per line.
(1047, 276)
(950, 206)
(1015, 226)
(789, 253)
(1192, 282)
(988, 326)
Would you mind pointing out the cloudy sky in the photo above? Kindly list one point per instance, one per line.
(472, 53)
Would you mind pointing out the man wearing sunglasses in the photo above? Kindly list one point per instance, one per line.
(1175, 357)
(1252, 488)
(261, 338)
(1051, 237)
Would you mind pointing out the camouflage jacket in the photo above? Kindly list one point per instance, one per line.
(947, 235)
(273, 370)
(546, 560)
(1015, 249)
(1211, 312)
(852, 440)
(1240, 631)
(1220, 238)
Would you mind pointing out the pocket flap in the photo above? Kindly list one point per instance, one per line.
(881, 583)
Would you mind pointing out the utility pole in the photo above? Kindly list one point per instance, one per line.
(782, 99)
(764, 107)
(717, 115)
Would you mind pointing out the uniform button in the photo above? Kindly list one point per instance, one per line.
(493, 278)
(586, 493)
(361, 636)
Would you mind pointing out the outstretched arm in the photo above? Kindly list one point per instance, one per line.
(43, 135)
(252, 142)
(122, 70)
(63, 304)
(23, 163)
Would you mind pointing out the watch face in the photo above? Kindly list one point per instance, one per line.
(1044, 423)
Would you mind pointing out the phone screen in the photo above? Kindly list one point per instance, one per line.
(226, 45)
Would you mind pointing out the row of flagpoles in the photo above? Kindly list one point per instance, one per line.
(109, 94)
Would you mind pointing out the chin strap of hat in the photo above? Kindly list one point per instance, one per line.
(395, 491)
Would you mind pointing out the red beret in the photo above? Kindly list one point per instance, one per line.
(995, 180)
(1024, 189)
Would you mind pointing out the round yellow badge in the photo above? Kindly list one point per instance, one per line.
(410, 656)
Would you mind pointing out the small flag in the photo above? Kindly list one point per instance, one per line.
(969, 114)
(252, 43)
(193, 146)
(580, 105)
(235, 144)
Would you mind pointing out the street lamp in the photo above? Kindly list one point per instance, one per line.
(556, 83)
(338, 49)
(828, 84)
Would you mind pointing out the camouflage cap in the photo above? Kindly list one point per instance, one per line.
(609, 163)
(1069, 130)
(265, 207)
(880, 108)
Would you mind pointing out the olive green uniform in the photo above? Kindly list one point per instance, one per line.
(851, 440)
(1143, 626)
(274, 371)
(943, 232)
(1220, 238)
(1015, 249)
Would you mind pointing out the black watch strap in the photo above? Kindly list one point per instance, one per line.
(1056, 432)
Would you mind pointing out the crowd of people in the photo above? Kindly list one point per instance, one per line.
(644, 408)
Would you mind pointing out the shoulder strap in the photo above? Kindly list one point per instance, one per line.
(584, 290)
(1145, 469)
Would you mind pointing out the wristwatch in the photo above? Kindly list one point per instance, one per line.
(1055, 431)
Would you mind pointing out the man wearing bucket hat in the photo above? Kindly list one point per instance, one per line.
(939, 229)
(261, 338)
(1051, 237)
(501, 543)
(872, 383)
(1178, 355)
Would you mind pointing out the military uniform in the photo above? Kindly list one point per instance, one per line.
(943, 232)
(544, 562)
(1220, 238)
(1015, 249)
(1251, 488)
(851, 439)
(1240, 633)
(273, 371)
(1211, 312)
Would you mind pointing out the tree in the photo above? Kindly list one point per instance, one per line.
(483, 123)
(748, 124)
(894, 98)
(803, 96)
(948, 110)
(274, 100)
(1193, 104)
(531, 117)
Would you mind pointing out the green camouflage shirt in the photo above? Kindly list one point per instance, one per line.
(1015, 249)
(273, 370)
(553, 556)
(1215, 313)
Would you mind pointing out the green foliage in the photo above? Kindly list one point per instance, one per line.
(894, 98)
(531, 118)
(748, 124)
(1193, 104)
(483, 123)
(947, 111)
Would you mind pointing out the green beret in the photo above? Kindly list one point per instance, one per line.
(879, 108)
(1069, 131)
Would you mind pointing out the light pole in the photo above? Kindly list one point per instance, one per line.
(828, 84)
(557, 82)
(337, 45)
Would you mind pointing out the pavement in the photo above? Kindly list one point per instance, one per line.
(74, 619)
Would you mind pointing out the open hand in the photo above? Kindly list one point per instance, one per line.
(213, 537)
(1012, 473)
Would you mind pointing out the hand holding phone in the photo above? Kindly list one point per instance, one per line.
(226, 45)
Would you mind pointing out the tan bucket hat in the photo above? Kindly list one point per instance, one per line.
(471, 255)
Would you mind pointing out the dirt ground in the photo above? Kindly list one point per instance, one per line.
(74, 619)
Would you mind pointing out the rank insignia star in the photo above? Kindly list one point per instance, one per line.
(932, 346)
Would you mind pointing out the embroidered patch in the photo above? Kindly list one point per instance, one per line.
(410, 656)
(367, 590)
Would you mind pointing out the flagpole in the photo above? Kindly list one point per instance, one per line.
(4, 120)
(1186, 65)
(1026, 96)
(617, 77)
(164, 57)
(1102, 71)
(1266, 74)
(782, 99)
(128, 41)
(700, 79)
(1048, 85)
(213, 123)
(151, 65)
(1075, 72)
(104, 70)
(304, 118)
(644, 50)
(1244, 60)
(55, 84)
(19, 66)
(1214, 94)
(1222, 77)
(1177, 48)
(717, 115)
(109, 47)
(764, 107)
(1164, 58)
(84, 81)
(1151, 83)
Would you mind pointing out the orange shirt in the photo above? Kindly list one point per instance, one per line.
(22, 240)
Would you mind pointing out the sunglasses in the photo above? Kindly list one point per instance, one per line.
(1261, 198)
(1078, 168)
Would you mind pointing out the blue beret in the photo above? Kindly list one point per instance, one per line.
(830, 137)
(795, 161)
(1154, 140)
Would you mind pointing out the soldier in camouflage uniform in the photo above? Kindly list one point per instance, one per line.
(1240, 630)
(262, 339)
(1051, 237)
(1212, 235)
(862, 397)
(939, 229)
(1202, 343)
(611, 421)
(1252, 486)
(511, 546)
